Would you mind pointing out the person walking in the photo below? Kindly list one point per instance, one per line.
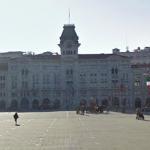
(16, 117)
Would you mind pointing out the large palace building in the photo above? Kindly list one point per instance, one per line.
(51, 81)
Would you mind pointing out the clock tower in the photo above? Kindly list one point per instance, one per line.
(69, 65)
(69, 41)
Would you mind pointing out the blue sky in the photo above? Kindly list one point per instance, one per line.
(36, 25)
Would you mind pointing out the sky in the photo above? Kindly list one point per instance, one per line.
(36, 25)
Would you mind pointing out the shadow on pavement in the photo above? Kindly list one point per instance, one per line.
(17, 124)
(146, 120)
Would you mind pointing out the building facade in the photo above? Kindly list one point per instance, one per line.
(61, 81)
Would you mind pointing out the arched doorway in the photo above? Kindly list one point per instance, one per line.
(2, 105)
(115, 102)
(123, 105)
(35, 104)
(92, 104)
(138, 103)
(83, 102)
(56, 104)
(123, 102)
(46, 103)
(24, 104)
(14, 105)
(147, 103)
(105, 102)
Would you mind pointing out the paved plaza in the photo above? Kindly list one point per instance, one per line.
(68, 131)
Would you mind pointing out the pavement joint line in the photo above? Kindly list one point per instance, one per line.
(68, 141)
(44, 134)
(52, 123)
(83, 124)
(67, 114)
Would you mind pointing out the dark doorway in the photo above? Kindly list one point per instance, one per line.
(56, 104)
(14, 105)
(46, 104)
(2, 105)
(24, 104)
(83, 102)
(115, 102)
(138, 103)
(147, 103)
(35, 104)
(124, 101)
(105, 102)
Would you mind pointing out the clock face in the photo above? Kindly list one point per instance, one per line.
(68, 44)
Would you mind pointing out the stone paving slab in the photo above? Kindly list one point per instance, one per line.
(68, 131)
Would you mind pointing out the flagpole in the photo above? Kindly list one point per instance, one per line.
(69, 16)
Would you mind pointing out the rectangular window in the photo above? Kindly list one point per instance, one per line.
(93, 78)
(2, 78)
(82, 78)
(35, 80)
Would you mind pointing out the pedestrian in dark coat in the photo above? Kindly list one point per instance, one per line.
(16, 117)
